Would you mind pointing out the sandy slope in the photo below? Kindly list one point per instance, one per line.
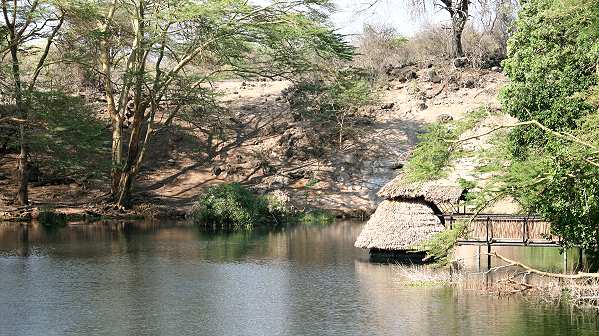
(349, 179)
(249, 143)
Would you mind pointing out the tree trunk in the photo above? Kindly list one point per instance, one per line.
(458, 11)
(124, 198)
(22, 163)
(139, 108)
(113, 111)
(128, 173)
(117, 155)
(456, 41)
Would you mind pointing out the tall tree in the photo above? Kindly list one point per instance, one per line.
(26, 23)
(554, 75)
(156, 58)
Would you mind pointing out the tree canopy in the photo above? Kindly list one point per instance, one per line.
(554, 75)
(155, 60)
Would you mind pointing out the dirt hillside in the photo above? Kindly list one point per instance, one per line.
(258, 142)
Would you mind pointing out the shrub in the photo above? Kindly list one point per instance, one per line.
(231, 207)
(279, 205)
(234, 207)
(332, 102)
(49, 218)
(440, 246)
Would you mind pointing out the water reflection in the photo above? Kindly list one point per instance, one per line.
(124, 278)
(550, 259)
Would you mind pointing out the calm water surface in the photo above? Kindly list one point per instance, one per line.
(171, 279)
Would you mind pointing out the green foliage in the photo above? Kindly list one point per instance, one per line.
(431, 155)
(231, 207)
(466, 184)
(67, 137)
(311, 183)
(552, 66)
(553, 70)
(439, 247)
(332, 102)
(434, 152)
(279, 206)
(560, 184)
(316, 217)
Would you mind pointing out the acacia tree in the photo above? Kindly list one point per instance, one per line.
(25, 23)
(493, 13)
(155, 58)
(458, 12)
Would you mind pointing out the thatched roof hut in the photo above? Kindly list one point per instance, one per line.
(399, 225)
(436, 192)
(408, 215)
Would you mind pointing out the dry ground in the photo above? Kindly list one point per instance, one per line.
(257, 133)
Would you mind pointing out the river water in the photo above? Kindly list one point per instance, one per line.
(172, 279)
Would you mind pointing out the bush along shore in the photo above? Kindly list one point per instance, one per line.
(221, 207)
(233, 207)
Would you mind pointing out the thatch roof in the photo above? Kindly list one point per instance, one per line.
(437, 192)
(399, 225)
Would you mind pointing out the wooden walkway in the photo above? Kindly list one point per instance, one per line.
(503, 230)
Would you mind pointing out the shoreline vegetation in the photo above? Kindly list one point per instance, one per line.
(222, 207)
(233, 207)
(510, 279)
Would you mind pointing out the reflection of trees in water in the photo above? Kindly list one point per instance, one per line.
(547, 259)
(323, 245)
(309, 245)
(302, 244)
(133, 271)
(23, 240)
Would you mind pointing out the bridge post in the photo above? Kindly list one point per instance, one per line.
(488, 244)
(478, 266)
(525, 230)
(488, 220)
(565, 261)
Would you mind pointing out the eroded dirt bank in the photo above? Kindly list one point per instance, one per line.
(256, 140)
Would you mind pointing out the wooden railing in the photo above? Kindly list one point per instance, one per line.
(503, 229)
